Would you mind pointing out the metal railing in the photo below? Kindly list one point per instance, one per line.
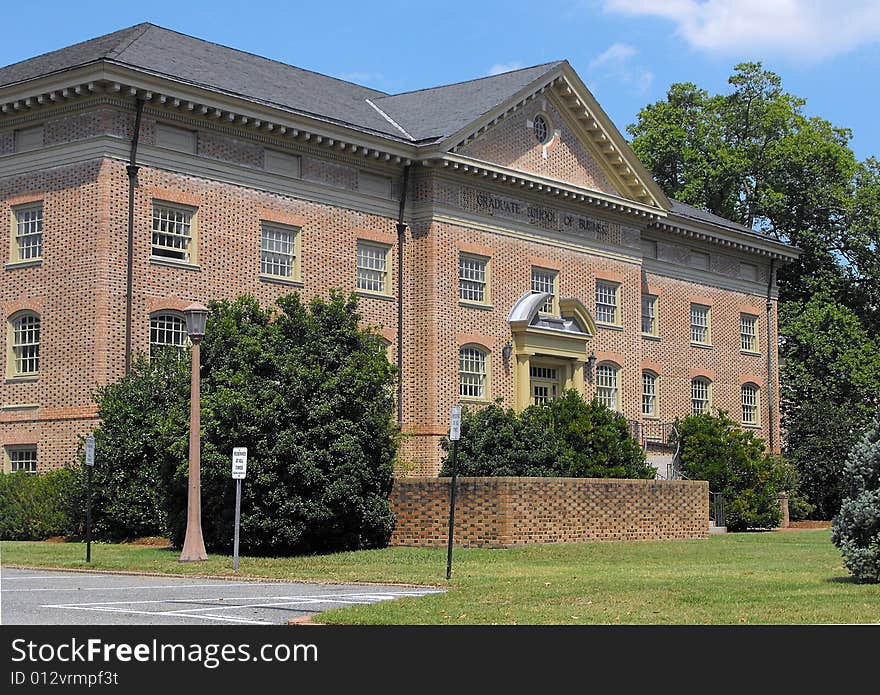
(716, 509)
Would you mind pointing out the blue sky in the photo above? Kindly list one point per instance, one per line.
(627, 51)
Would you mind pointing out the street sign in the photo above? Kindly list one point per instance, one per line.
(239, 462)
(455, 424)
(90, 451)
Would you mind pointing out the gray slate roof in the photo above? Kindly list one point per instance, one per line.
(427, 115)
(689, 212)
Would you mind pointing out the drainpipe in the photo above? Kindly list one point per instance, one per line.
(132, 170)
(401, 238)
(770, 343)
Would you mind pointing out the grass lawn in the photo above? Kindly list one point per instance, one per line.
(783, 577)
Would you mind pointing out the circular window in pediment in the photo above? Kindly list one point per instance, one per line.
(542, 129)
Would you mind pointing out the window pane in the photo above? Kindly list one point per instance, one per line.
(750, 404)
(23, 459)
(171, 232)
(649, 315)
(699, 396)
(606, 385)
(29, 233)
(471, 373)
(748, 333)
(26, 344)
(277, 251)
(544, 281)
(471, 279)
(371, 268)
(606, 303)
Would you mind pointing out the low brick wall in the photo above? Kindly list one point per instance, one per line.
(503, 512)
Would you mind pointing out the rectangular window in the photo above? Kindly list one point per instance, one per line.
(649, 314)
(606, 303)
(700, 329)
(282, 163)
(649, 394)
(748, 333)
(372, 267)
(29, 232)
(278, 251)
(173, 232)
(545, 281)
(22, 458)
(545, 384)
(28, 139)
(472, 279)
(174, 138)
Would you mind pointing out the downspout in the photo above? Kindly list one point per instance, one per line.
(770, 343)
(401, 238)
(132, 170)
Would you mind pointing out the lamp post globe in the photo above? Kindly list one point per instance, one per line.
(194, 543)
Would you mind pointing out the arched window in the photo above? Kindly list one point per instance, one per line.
(701, 392)
(472, 372)
(750, 404)
(167, 330)
(25, 341)
(607, 391)
(649, 394)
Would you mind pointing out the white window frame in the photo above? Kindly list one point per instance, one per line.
(18, 454)
(174, 324)
(473, 278)
(280, 251)
(650, 394)
(546, 280)
(173, 232)
(750, 401)
(649, 303)
(24, 344)
(473, 373)
(701, 324)
(27, 233)
(748, 333)
(701, 392)
(371, 276)
(608, 312)
(608, 385)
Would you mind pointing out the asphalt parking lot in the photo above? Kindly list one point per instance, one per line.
(38, 597)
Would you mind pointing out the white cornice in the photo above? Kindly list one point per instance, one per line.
(730, 238)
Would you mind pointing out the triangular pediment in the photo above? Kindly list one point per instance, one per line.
(584, 148)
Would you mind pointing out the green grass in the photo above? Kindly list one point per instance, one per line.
(793, 577)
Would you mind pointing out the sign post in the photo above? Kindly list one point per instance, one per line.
(90, 463)
(454, 436)
(239, 470)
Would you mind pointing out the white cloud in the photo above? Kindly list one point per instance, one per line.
(498, 68)
(803, 29)
(617, 63)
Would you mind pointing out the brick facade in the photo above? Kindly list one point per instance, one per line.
(504, 512)
(335, 194)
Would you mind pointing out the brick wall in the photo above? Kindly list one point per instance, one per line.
(503, 512)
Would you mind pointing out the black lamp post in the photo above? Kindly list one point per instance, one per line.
(194, 543)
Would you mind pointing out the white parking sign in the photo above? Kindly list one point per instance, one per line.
(455, 424)
(239, 462)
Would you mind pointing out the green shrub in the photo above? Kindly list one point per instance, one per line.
(568, 437)
(304, 388)
(856, 527)
(735, 463)
(34, 507)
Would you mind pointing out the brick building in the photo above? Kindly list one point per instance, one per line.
(500, 232)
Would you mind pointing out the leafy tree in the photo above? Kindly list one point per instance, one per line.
(569, 437)
(856, 528)
(304, 388)
(734, 462)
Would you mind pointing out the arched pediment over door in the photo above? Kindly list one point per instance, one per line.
(550, 351)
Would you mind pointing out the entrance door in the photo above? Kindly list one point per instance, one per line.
(544, 384)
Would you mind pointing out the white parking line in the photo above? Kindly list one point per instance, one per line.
(167, 614)
(151, 588)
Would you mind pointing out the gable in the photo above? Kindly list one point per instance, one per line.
(512, 143)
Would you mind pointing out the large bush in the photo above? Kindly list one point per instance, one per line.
(567, 437)
(308, 392)
(856, 528)
(34, 507)
(735, 463)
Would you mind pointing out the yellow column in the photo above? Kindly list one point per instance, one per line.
(577, 377)
(523, 382)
